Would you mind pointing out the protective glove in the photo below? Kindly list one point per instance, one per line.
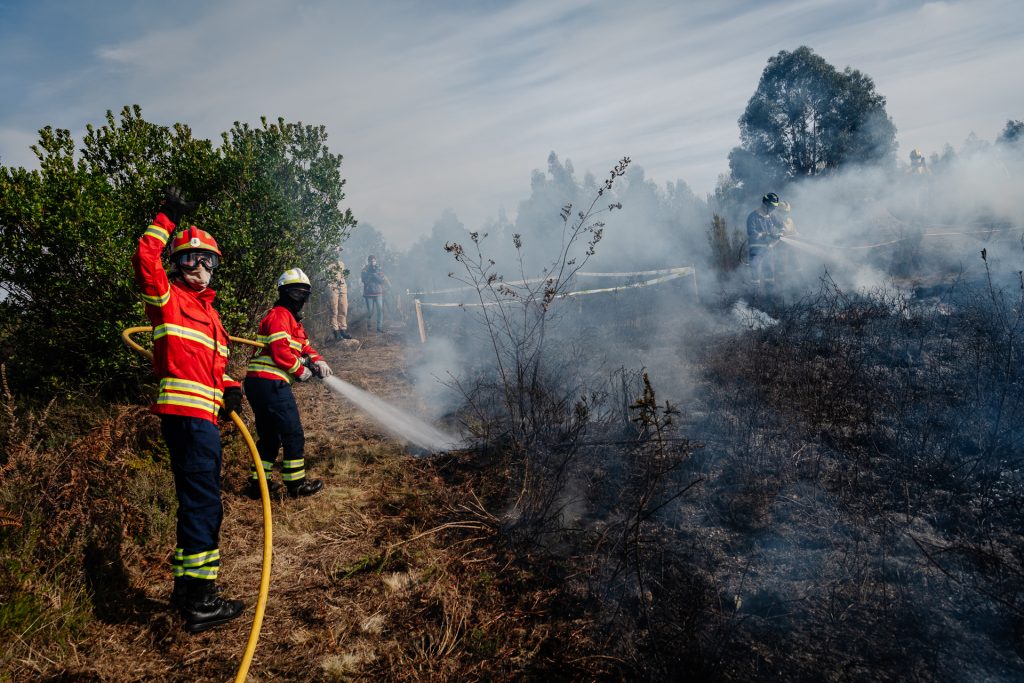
(323, 369)
(232, 403)
(304, 374)
(174, 205)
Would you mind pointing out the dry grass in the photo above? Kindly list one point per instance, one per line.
(386, 575)
(830, 540)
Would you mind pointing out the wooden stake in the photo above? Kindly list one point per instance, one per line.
(419, 321)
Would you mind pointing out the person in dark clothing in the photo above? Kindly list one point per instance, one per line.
(763, 234)
(374, 285)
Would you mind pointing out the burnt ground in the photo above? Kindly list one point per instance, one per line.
(856, 517)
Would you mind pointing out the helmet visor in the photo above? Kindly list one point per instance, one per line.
(193, 259)
(297, 293)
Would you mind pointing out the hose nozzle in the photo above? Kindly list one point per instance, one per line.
(312, 367)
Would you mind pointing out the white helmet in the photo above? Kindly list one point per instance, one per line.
(292, 276)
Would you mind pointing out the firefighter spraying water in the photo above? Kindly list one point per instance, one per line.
(188, 340)
(286, 357)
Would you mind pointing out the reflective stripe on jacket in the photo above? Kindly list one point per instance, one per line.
(285, 343)
(190, 346)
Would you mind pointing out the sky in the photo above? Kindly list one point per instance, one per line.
(439, 105)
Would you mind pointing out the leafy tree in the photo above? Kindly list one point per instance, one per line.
(364, 241)
(275, 199)
(806, 119)
(1012, 134)
(270, 195)
(945, 160)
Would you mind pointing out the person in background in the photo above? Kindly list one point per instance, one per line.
(763, 233)
(917, 163)
(339, 302)
(190, 356)
(286, 357)
(374, 284)
(788, 226)
(788, 262)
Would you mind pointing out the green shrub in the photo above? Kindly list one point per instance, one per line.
(270, 195)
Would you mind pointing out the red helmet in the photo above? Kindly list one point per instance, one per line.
(194, 239)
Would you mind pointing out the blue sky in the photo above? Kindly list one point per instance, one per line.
(452, 104)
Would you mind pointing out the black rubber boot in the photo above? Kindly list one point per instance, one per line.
(180, 595)
(184, 587)
(205, 609)
(343, 334)
(306, 487)
(252, 489)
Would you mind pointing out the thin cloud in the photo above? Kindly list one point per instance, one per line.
(436, 107)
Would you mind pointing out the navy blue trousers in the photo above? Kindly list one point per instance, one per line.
(194, 445)
(277, 425)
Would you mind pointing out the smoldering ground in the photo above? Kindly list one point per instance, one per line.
(854, 450)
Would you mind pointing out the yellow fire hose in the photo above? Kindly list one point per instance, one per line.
(261, 601)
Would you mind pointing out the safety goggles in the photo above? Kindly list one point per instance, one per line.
(298, 294)
(191, 260)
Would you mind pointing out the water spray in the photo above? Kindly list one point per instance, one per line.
(395, 421)
(809, 248)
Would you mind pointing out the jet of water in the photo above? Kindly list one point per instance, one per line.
(751, 317)
(811, 248)
(395, 421)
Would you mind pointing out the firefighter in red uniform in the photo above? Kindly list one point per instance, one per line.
(190, 355)
(285, 357)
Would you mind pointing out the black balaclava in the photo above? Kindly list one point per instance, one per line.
(293, 297)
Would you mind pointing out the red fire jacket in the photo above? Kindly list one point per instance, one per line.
(285, 343)
(190, 346)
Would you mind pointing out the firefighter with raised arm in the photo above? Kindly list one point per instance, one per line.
(190, 356)
(286, 357)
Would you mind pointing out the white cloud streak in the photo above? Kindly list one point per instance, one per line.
(452, 105)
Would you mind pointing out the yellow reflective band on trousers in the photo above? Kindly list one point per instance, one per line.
(293, 470)
(202, 565)
(268, 468)
(197, 559)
